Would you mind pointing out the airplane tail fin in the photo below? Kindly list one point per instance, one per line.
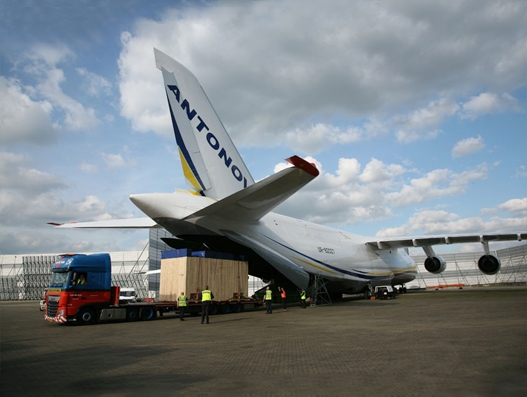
(211, 163)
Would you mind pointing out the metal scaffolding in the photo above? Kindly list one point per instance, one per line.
(24, 277)
(462, 268)
(319, 293)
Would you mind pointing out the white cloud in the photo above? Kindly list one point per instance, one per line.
(517, 206)
(21, 118)
(468, 146)
(397, 67)
(143, 99)
(89, 168)
(350, 196)
(319, 136)
(41, 62)
(94, 84)
(432, 222)
(376, 171)
(486, 103)
(360, 71)
(116, 160)
(424, 123)
(435, 184)
(30, 197)
(521, 171)
(18, 174)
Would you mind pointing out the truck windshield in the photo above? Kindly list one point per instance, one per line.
(58, 279)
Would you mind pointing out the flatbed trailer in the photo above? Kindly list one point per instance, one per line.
(80, 292)
(217, 307)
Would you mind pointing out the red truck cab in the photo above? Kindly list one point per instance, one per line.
(80, 287)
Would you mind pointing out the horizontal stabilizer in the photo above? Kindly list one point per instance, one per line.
(253, 202)
(131, 223)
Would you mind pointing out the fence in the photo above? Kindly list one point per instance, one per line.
(25, 277)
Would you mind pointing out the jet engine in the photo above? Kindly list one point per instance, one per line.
(489, 264)
(435, 264)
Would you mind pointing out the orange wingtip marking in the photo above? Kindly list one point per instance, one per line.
(305, 166)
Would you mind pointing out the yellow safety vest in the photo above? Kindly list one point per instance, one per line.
(268, 295)
(303, 296)
(182, 300)
(205, 295)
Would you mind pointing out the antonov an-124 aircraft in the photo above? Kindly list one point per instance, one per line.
(228, 211)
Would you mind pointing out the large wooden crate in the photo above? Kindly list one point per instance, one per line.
(188, 274)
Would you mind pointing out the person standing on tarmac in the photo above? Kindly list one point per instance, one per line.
(268, 298)
(206, 300)
(283, 295)
(182, 305)
(303, 299)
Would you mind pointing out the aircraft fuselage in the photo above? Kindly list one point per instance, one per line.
(333, 254)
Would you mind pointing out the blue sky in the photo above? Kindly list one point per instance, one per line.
(415, 112)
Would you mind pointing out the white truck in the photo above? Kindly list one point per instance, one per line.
(127, 295)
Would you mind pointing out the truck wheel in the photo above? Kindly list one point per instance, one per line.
(147, 313)
(85, 316)
(132, 314)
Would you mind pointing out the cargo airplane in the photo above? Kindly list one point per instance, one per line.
(226, 210)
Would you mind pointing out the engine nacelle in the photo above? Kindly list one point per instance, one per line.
(489, 264)
(435, 264)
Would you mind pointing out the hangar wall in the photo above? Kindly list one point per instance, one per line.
(462, 268)
(24, 277)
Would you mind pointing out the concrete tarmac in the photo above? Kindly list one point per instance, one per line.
(470, 342)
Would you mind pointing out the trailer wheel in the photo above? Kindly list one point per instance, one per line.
(213, 309)
(85, 316)
(147, 313)
(132, 314)
(236, 308)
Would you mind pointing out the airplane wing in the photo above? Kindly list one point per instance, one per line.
(130, 223)
(253, 202)
(427, 241)
(487, 263)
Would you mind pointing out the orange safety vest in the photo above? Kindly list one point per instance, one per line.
(282, 294)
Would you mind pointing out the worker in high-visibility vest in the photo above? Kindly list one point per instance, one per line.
(283, 295)
(182, 305)
(303, 299)
(268, 299)
(206, 301)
